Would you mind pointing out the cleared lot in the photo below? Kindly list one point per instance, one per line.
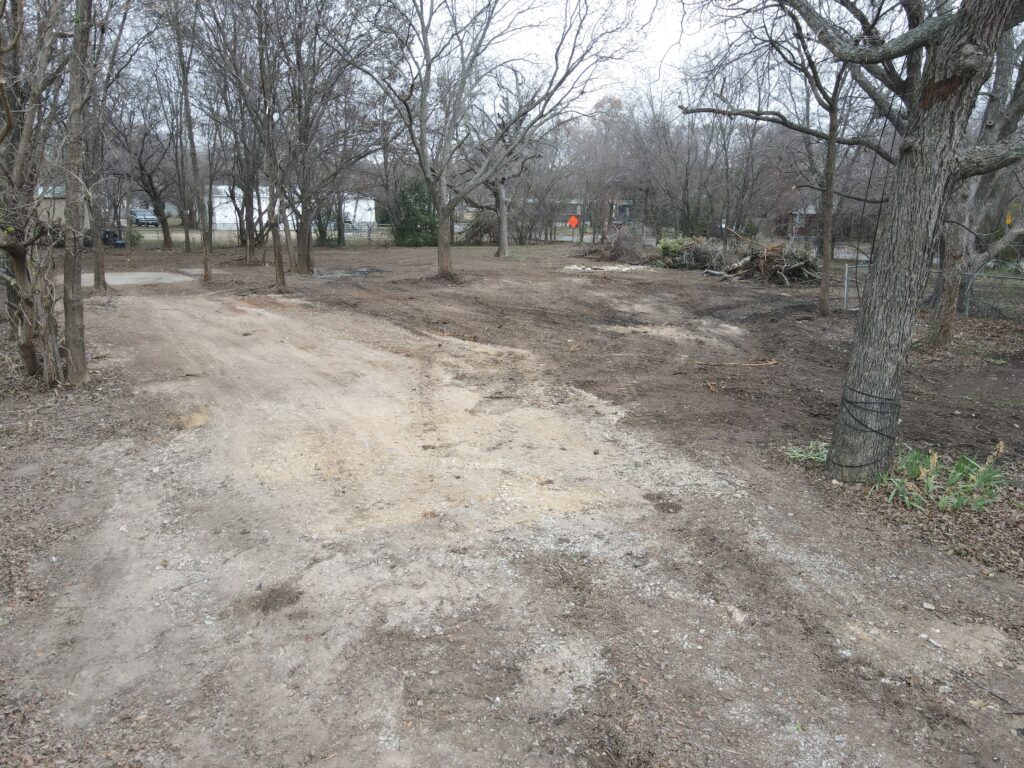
(529, 519)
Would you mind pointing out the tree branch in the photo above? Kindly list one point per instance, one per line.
(779, 119)
(857, 198)
(837, 40)
(986, 158)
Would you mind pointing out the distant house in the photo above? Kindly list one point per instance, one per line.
(622, 212)
(52, 200)
(802, 222)
(358, 210)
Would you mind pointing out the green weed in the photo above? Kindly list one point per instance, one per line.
(925, 480)
(920, 480)
(816, 451)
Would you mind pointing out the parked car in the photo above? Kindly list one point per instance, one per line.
(142, 218)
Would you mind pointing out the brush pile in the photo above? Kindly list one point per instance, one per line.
(691, 253)
(742, 259)
(626, 247)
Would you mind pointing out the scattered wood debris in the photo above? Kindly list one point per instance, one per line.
(742, 258)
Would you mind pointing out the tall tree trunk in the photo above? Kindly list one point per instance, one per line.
(280, 285)
(130, 227)
(271, 216)
(165, 228)
(74, 211)
(944, 318)
(208, 234)
(26, 324)
(156, 197)
(444, 241)
(99, 269)
(940, 256)
(957, 244)
(304, 238)
(288, 235)
(863, 440)
(501, 200)
(827, 214)
(340, 221)
(187, 231)
(249, 225)
(185, 72)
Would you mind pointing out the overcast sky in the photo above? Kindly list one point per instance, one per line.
(669, 40)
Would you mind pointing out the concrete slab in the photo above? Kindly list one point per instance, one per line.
(360, 272)
(146, 278)
(198, 271)
(605, 268)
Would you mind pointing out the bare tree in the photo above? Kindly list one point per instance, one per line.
(113, 48)
(946, 55)
(441, 60)
(325, 123)
(777, 46)
(243, 50)
(34, 63)
(981, 200)
(74, 211)
(183, 31)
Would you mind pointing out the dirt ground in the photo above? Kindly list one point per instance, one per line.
(528, 519)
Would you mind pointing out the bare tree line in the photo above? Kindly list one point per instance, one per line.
(287, 103)
(896, 116)
(942, 76)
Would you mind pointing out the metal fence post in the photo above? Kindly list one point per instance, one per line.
(846, 285)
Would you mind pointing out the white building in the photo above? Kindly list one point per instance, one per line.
(358, 210)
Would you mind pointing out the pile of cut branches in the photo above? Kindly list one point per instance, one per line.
(691, 253)
(773, 264)
(743, 258)
(626, 247)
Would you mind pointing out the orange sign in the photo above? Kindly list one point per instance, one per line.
(573, 221)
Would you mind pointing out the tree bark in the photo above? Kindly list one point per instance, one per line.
(949, 296)
(957, 244)
(283, 213)
(186, 231)
(130, 227)
(280, 285)
(249, 225)
(99, 270)
(26, 324)
(208, 234)
(501, 200)
(340, 221)
(959, 62)
(304, 239)
(827, 214)
(165, 226)
(444, 242)
(193, 156)
(74, 211)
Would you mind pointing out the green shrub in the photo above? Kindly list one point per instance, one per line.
(673, 246)
(415, 220)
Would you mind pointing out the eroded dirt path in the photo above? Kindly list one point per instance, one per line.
(362, 545)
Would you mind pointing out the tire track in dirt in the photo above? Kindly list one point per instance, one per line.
(295, 579)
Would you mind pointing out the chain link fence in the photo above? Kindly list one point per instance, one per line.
(988, 294)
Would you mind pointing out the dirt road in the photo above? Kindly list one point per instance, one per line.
(343, 542)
